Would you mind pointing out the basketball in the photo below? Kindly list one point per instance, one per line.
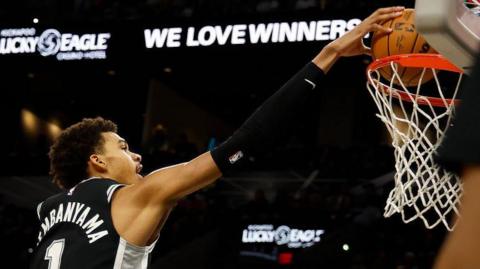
(404, 39)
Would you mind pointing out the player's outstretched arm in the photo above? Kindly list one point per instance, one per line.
(267, 123)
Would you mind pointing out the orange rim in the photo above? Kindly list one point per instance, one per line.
(423, 60)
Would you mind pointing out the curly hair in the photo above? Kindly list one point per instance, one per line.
(70, 153)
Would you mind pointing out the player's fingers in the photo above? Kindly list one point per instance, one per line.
(380, 29)
(387, 10)
(386, 17)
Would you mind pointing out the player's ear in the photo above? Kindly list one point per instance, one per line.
(97, 162)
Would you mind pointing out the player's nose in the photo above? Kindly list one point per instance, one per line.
(137, 157)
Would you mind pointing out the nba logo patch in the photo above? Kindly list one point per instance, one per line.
(235, 157)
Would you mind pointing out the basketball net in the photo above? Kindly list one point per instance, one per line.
(417, 123)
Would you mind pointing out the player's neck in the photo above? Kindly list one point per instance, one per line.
(96, 173)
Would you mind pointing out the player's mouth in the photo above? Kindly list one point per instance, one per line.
(139, 168)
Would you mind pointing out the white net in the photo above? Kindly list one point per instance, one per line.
(417, 124)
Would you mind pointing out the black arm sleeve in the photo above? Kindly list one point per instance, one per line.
(269, 121)
(461, 144)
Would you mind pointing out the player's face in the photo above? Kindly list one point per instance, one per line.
(121, 164)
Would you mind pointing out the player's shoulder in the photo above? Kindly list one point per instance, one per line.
(94, 182)
(95, 189)
(48, 203)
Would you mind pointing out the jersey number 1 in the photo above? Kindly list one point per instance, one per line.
(54, 253)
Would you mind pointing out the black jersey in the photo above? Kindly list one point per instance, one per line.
(77, 231)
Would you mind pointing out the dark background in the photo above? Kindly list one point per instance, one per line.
(339, 142)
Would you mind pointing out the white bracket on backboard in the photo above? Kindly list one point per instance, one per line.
(451, 28)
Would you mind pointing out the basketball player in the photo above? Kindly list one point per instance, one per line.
(110, 216)
(460, 152)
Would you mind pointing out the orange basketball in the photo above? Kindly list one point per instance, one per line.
(403, 39)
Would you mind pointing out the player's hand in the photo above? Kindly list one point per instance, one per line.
(351, 44)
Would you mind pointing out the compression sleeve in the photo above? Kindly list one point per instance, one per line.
(270, 121)
(461, 144)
